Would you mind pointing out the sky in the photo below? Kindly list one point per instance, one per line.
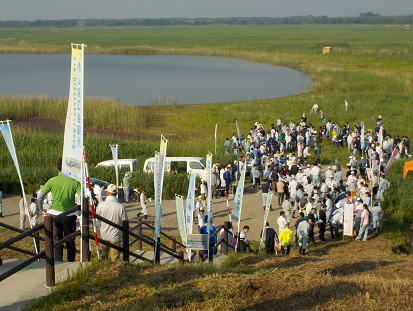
(85, 9)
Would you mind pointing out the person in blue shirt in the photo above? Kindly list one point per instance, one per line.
(212, 229)
(227, 177)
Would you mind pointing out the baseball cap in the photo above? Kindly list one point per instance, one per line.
(111, 189)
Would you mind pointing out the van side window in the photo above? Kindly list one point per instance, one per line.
(195, 166)
(149, 166)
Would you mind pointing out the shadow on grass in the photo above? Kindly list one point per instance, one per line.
(311, 298)
(358, 267)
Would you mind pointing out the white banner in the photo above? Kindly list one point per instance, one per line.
(380, 138)
(267, 209)
(190, 204)
(158, 183)
(181, 217)
(6, 131)
(114, 149)
(348, 220)
(236, 208)
(73, 138)
(209, 198)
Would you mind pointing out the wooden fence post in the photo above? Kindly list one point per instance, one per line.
(85, 232)
(174, 244)
(227, 225)
(48, 249)
(140, 233)
(125, 234)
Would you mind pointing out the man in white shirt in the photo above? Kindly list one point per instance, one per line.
(281, 221)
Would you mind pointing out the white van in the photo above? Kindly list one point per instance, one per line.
(180, 165)
(131, 165)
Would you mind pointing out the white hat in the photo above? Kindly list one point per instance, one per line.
(329, 167)
(112, 189)
(202, 180)
(308, 165)
(200, 197)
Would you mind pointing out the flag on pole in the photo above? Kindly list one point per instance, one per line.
(380, 138)
(236, 208)
(73, 137)
(6, 131)
(267, 209)
(362, 139)
(392, 158)
(181, 217)
(190, 204)
(209, 197)
(158, 183)
(114, 149)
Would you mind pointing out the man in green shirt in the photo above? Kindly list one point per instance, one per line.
(64, 191)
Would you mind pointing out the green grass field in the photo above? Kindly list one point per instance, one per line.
(370, 67)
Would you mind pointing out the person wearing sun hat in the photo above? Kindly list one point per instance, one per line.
(116, 213)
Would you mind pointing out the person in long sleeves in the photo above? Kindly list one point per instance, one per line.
(383, 186)
(285, 237)
(144, 200)
(115, 212)
(376, 213)
(126, 185)
(34, 213)
(287, 207)
(302, 233)
(365, 220)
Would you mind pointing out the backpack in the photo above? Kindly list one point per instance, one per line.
(267, 175)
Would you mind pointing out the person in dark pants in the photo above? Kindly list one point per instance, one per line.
(270, 238)
(311, 221)
(322, 226)
(64, 190)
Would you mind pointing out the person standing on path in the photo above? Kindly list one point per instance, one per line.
(302, 233)
(126, 186)
(270, 239)
(281, 221)
(287, 207)
(285, 237)
(144, 200)
(266, 188)
(365, 220)
(280, 192)
(116, 213)
(322, 225)
(64, 190)
(227, 177)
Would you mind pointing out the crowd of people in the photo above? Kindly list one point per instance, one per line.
(277, 162)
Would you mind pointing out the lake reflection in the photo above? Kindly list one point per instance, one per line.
(141, 79)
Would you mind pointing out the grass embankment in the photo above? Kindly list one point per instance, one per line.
(340, 275)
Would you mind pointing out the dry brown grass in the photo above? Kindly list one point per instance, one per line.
(340, 275)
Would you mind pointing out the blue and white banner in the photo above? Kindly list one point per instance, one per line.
(267, 209)
(380, 138)
(236, 208)
(158, 183)
(73, 137)
(190, 204)
(6, 131)
(114, 149)
(181, 217)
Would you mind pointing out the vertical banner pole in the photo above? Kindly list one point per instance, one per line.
(114, 149)
(237, 206)
(158, 183)
(72, 159)
(209, 197)
(190, 209)
(8, 138)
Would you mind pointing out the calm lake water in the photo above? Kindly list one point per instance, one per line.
(141, 79)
